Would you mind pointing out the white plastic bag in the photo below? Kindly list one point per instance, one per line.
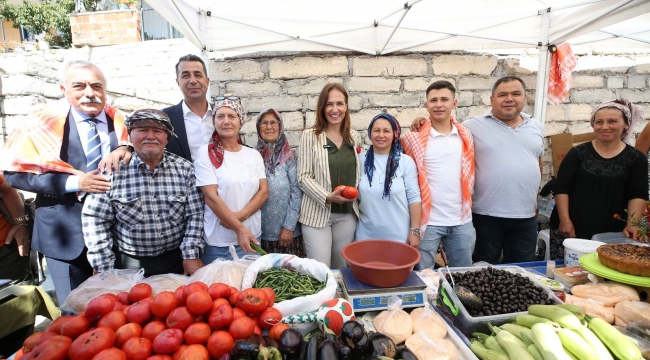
(224, 271)
(111, 281)
(427, 320)
(394, 322)
(313, 268)
(165, 282)
(431, 349)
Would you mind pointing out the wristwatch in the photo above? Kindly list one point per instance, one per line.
(415, 231)
(20, 219)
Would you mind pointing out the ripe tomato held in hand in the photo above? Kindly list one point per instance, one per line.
(110, 354)
(99, 306)
(139, 292)
(139, 312)
(163, 304)
(270, 295)
(253, 301)
(152, 329)
(219, 290)
(197, 333)
(114, 319)
(75, 326)
(241, 328)
(221, 317)
(220, 343)
(349, 192)
(137, 348)
(91, 343)
(269, 317)
(198, 302)
(167, 341)
(126, 332)
(276, 330)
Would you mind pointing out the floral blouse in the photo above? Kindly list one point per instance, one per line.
(282, 209)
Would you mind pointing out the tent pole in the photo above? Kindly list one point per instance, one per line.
(543, 68)
(206, 60)
(406, 10)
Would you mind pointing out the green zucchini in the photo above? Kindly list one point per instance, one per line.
(484, 353)
(547, 342)
(576, 345)
(516, 330)
(565, 318)
(620, 345)
(513, 346)
(530, 320)
(599, 348)
(532, 350)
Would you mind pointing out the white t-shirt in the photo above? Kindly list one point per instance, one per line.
(442, 161)
(199, 129)
(237, 180)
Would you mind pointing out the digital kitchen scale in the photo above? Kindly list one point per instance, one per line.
(367, 298)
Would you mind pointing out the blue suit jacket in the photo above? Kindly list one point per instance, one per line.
(178, 145)
(57, 224)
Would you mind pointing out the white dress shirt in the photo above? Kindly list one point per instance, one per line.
(199, 129)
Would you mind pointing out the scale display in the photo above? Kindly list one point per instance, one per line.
(368, 298)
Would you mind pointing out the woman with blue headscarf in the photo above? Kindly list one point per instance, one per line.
(389, 194)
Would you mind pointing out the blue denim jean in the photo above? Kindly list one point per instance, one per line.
(211, 253)
(517, 238)
(458, 242)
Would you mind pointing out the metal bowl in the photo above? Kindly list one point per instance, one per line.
(380, 263)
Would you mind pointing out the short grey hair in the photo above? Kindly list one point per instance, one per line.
(78, 64)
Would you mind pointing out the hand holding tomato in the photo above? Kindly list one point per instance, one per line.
(342, 194)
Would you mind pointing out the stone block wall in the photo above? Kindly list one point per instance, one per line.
(142, 75)
(106, 27)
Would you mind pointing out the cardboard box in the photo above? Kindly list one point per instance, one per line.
(562, 143)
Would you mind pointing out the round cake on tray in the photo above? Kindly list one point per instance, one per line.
(626, 258)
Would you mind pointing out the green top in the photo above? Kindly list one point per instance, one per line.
(343, 171)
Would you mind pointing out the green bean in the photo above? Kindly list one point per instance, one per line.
(288, 284)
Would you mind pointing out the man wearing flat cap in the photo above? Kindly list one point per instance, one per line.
(152, 216)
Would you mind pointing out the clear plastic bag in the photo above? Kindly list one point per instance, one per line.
(165, 282)
(111, 281)
(394, 322)
(427, 320)
(224, 271)
(431, 349)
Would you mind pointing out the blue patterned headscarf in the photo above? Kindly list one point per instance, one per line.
(393, 155)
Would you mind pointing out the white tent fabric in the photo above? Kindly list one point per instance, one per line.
(380, 27)
(386, 26)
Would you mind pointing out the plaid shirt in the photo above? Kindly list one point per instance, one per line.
(147, 213)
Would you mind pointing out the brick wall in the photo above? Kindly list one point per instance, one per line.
(142, 75)
(105, 27)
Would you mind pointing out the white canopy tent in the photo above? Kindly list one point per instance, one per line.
(379, 27)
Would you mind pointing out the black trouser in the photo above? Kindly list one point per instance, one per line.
(517, 238)
(170, 262)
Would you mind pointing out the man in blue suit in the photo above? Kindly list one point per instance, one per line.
(191, 118)
(56, 155)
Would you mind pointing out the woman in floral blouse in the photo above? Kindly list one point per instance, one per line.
(280, 227)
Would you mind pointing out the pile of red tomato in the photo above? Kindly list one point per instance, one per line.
(195, 322)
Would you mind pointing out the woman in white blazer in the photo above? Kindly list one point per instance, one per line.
(327, 158)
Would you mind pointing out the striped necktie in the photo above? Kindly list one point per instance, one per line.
(93, 146)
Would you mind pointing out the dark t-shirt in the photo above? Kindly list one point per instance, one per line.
(343, 171)
(598, 188)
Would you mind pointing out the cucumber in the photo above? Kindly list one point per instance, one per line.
(576, 345)
(513, 346)
(565, 318)
(516, 330)
(530, 320)
(594, 342)
(548, 343)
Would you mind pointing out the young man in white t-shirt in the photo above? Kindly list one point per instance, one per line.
(443, 151)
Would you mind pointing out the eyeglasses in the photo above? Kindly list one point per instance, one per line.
(221, 98)
(270, 123)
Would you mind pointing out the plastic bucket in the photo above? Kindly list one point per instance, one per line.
(575, 248)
